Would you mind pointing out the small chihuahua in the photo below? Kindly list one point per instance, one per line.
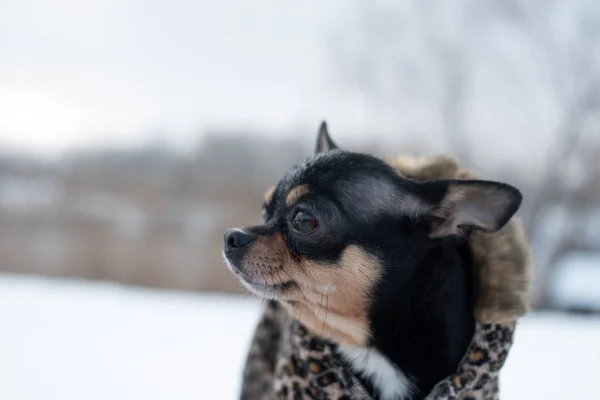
(376, 262)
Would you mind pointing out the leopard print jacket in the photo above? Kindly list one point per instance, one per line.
(287, 361)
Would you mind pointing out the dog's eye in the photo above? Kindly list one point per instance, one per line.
(304, 222)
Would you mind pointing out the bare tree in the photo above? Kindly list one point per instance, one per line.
(570, 58)
(417, 49)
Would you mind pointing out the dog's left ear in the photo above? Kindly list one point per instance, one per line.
(324, 142)
(460, 206)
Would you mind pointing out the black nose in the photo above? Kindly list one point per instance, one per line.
(235, 239)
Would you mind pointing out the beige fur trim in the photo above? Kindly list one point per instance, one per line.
(502, 259)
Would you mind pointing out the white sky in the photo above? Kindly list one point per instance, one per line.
(82, 72)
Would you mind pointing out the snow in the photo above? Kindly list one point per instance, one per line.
(71, 340)
(576, 282)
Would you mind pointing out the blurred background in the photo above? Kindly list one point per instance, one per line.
(133, 133)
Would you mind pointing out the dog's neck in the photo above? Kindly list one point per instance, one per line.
(421, 326)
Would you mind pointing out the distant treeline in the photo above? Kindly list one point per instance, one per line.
(155, 217)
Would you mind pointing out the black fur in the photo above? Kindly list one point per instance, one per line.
(422, 310)
(421, 315)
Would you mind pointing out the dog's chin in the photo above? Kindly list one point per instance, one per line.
(266, 291)
(261, 288)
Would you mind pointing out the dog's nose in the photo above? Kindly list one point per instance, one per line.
(235, 239)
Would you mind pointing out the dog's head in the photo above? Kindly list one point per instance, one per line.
(337, 224)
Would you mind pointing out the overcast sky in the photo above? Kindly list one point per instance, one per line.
(78, 72)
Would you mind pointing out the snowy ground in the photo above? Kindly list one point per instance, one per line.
(69, 340)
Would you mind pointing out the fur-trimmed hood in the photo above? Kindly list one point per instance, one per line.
(287, 361)
(501, 259)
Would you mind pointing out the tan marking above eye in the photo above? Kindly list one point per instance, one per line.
(295, 194)
(269, 194)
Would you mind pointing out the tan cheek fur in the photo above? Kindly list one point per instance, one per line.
(332, 300)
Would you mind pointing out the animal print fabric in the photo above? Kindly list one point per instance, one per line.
(287, 362)
(477, 374)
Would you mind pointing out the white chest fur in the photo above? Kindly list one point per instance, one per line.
(388, 380)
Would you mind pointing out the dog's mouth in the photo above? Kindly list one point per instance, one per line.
(260, 286)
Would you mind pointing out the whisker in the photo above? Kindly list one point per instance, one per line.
(288, 275)
(262, 277)
(366, 276)
(280, 283)
(279, 277)
(298, 313)
(326, 308)
(320, 304)
(271, 288)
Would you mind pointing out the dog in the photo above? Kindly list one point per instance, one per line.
(374, 261)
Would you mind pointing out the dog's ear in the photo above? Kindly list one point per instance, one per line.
(324, 142)
(460, 206)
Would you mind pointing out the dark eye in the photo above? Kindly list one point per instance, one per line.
(304, 222)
